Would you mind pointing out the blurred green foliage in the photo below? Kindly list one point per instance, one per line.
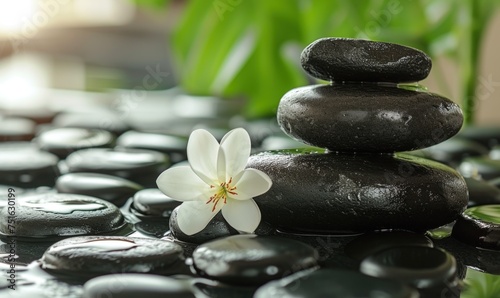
(251, 48)
(481, 285)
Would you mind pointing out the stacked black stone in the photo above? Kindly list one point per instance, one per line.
(362, 118)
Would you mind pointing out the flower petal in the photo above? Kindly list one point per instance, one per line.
(252, 183)
(236, 145)
(181, 184)
(202, 152)
(192, 217)
(242, 215)
(221, 165)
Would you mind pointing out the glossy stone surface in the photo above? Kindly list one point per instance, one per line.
(133, 285)
(479, 226)
(153, 202)
(99, 255)
(336, 193)
(367, 117)
(64, 141)
(335, 284)
(372, 243)
(16, 129)
(110, 188)
(174, 146)
(263, 259)
(488, 136)
(480, 167)
(94, 118)
(454, 150)
(27, 167)
(422, 267)
(345, 59)
(47, 215)
(482, 192)
(140, 166)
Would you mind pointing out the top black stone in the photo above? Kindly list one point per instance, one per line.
(346, 59)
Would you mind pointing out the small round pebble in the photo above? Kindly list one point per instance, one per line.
(482, 192)
(422, 267)
(251, 259)
(27, 167)
(16, 129)
(46, 215)
(99, 255)
(454, 150)
(480, 167)
(479, 226)
(152, 201)
(133, 285)
(140, 166)
(334, 283)
(64, 141)
(110, 188)
(346, 59)
(488, 136)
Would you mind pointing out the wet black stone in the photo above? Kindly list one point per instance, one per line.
(93, 119)
(173, 146)
(153, 202)
(345, 59)
(454, 150)
(335, 193)
(251, 259)
(152, 228)
(133, 285)
(488, 136)
(110, 188)
(16, 129)
(479, 226)
(482, 192)
(64, 141)
(140, 166)
(372, 243)
(367, 117)
(100, 255)
(480, 167)
(334, 283)
(48, 215)
(422, 267)
(216, 228)
(27, 167)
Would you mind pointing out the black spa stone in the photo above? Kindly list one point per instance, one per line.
(371, 243)
(94, 118)
(454, 150)
(252, 260)
(367, 117)
(110, 188)
(48, 215)
(334, 283)
(488, 136)
(16, 129)
(482, 193)
(140, 166)
(153, 202)
(480, 167)
(27, 167)
(342, 193)
(173, 146)
(64, 141)
(422, 267)
(345, 59)
(100, 255)
(133, 285)
(479, 226)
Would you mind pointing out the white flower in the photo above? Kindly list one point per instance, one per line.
(216, 179)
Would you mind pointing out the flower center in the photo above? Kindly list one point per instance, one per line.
(221, 193)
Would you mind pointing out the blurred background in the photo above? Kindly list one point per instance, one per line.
(56, 54)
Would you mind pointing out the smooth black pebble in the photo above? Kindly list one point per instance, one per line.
(140, 166)
(480, 167)
(454, 150)
(133, 285)
(27, 167)
(100, 255)
(64, 141)
(479, 226)
(251, 259)
(367, 117)
(110, 188)
(334, 283)
(152, 202)
(16, 129)
(49, 215)
(482, 192)
(346, 59)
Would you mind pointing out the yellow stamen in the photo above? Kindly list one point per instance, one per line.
(223, 190)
